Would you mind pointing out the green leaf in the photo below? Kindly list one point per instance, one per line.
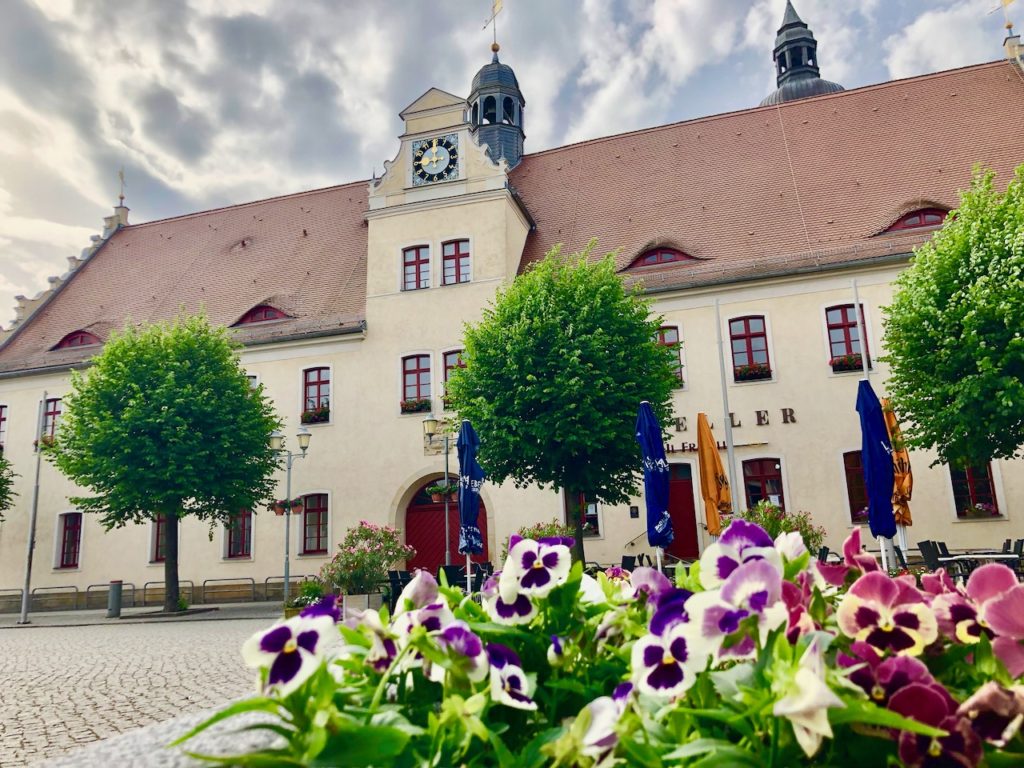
(249, 705)
(722, 750)
(367, 745)
(860, 711)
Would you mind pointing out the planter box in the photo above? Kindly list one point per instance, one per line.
(752, 372)
(415, 406)
(848, 363)
(355, 603)
(316, 415)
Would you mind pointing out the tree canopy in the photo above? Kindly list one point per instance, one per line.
(555, 372)
(955, 330)
(165, 423)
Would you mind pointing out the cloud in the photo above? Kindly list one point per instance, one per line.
(944, 38)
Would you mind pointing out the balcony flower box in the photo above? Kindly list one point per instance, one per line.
(754, 372)
(415, 406)
(318, 415)
(846, 363)
(980, 511)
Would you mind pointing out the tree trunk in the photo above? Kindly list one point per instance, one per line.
(171, 592)
(579, 514)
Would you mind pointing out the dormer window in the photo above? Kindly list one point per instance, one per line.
(926, 217)
(261, 313)
(658, 256)
(78, 339)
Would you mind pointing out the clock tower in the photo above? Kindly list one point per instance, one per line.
(497, 110)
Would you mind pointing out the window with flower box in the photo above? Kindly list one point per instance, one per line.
(575, 503)
(668, 336)
(70, 539)
(844, 338)
(239, 535)
(974, 493)
(749, 341)
(158, 552)
(415, 384)
(452, 360)
(316, 394)
(416, 268)
(762, 479)
(856, 491)
(314, 524)
(455, 262)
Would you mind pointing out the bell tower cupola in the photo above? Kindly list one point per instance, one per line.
(496, 109)
(796, 62)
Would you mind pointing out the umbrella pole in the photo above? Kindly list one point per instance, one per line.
(657, 558)
(469, 570)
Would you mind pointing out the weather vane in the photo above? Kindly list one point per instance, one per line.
(120, 175)
(496, 6)
(1004, 4)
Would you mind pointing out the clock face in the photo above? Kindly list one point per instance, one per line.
(435, 159)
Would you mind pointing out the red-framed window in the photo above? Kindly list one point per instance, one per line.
(240, 535)
(843, 336)
(452, 360)
(70, 539)
(316, 388)
(416, 267)
(51, 416)
(314, 524)
(159, 553)
(668, 336)
(260, 314)
(3, 427)
(926, 217)
(658, 256)
(749, 341)
(455, 262)
(416, 377)
(762, 479)
(78, 339)
(856, 491)
(974, 492)
(577, 502)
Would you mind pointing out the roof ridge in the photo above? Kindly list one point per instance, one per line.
(274, 198)
(786, 105)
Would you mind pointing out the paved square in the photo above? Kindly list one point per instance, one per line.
(63, 687)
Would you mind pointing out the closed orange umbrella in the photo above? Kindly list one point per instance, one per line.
(714, 483)
(903, 478)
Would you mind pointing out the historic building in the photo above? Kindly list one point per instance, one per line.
(350, 303)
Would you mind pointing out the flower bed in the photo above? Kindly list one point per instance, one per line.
(757, 656)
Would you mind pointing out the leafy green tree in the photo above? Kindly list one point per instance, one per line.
(165, 424)
(555, 372)
(955, 330)
(7, 492)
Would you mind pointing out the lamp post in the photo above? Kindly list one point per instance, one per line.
(277, 445)
(430, 429)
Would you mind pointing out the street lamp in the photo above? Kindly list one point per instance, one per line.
(277, 445)
(430, 429)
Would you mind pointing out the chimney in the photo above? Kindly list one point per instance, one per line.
(1014, 50)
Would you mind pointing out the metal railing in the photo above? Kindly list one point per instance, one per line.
(73, 591)
(181, 589)
(234, 582)
(292, 579)
(125, 586)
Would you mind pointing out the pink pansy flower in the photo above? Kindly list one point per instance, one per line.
(1005, 616)
(854, 559)
(932, 705)
(962, 616)
(797, 597)
(887, 614)
(880, 678)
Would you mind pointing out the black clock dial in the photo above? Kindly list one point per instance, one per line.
(436, 159)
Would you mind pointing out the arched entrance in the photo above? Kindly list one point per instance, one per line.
(424, 531)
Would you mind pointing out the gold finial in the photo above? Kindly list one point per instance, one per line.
(495, 47)
(496, 6)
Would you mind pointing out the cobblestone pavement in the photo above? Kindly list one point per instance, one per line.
(63, 687)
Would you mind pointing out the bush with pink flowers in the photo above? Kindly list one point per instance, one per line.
(361, 563)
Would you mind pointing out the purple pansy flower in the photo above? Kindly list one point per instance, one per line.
(465, 648)
(534, 567)
(518, 610)
(556, 651)
(509, 684)
(605, 713)
(383, 645)
(433, 618)
(328, 606)
(741, 543)
(751, 595)
(419, 592)
(667, 665)
(292, 650)
(996, 713)
(887, 614)
(932, 705)
(880, 678)
(671, 609)
(651, 582)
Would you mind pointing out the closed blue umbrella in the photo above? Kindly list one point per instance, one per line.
(876, 459)
(652, 450)
(471, 476)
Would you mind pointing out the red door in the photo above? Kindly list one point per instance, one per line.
(424, 532)
(682, 512)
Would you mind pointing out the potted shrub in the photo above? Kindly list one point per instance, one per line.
(280, 506)
(317, 415)
(752, 372)
(844, 363)
(776, 520)
(310, 592)
(439, 491)
(360, 566)
(415, 406)
(296, 505)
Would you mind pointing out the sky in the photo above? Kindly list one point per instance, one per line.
(206, 103)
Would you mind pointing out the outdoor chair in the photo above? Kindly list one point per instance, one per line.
(1018, 564)
(628, 562)
(1007, 546)
(930, 554)
(900, 559)
(943, 549)
(455, 575)
(396, 583)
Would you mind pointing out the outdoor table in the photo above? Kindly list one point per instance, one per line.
(980, 556)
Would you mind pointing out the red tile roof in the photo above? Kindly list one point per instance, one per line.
(803, 183)
(766, 190)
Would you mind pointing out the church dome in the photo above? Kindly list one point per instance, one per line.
(800, 89)
(495, 74)
(496, 108)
